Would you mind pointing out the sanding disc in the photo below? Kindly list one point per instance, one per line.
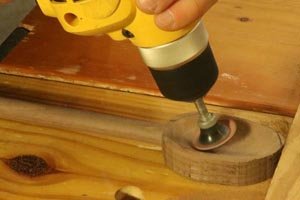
(216, 136)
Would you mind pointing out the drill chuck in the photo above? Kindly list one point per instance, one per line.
(190, 81)
(185, 69)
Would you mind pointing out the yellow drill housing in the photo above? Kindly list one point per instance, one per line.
(112, 17)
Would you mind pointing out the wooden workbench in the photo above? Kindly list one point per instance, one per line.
(256, 44)
(100, 156)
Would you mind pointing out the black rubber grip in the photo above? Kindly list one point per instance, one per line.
(190, 81)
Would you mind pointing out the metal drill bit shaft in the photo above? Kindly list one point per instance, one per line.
(206, 119)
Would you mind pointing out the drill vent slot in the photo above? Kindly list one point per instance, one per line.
(59, 1)
(63, 1)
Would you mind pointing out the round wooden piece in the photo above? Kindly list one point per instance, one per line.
(249, 157)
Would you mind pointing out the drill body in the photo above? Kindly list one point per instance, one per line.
(181, 62)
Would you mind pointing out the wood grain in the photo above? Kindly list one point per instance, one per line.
(256, 44)
(80, 120)
(286, 182)
(250, 157)
(95, 162)
(87, 166)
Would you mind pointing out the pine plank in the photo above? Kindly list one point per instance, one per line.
(285, 184)
(88, 166)
(89, 162)
(95, 163)
(118, 103)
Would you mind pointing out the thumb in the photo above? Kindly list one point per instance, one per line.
(183, 13)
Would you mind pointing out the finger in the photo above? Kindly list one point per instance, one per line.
(183, 13)
(154, 6)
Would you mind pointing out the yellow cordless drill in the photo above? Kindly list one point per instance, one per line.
(180, 61)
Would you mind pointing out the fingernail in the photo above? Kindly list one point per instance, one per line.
(148, 5)
(165, 20)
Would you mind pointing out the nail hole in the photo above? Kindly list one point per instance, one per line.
(59, 1)
(244, 19)
(129, 193)
(29, 165)
(71, 19)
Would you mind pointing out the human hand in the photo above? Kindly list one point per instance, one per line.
(173, 15)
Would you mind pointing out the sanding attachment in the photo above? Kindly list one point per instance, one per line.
(216, 136)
